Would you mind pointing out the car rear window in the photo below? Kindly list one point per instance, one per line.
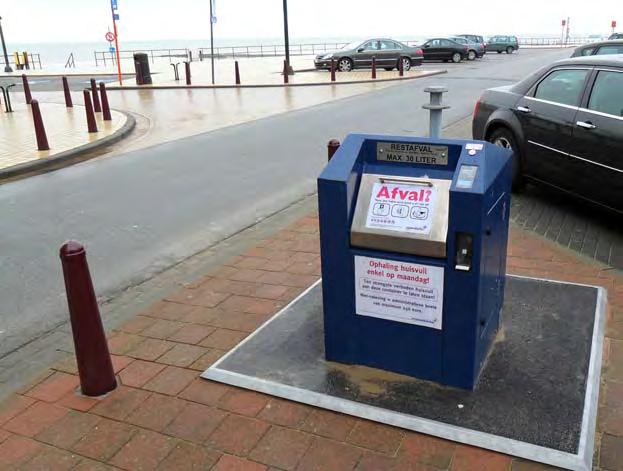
(607, 93)
(588, 51)
(562, 86)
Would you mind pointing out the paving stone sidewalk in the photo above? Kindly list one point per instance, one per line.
(163, 416)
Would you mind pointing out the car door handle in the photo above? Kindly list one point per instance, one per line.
(585, 124)
(524, 109)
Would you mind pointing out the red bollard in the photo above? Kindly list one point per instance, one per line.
(374, 67)
(333, 70)
(42, 139)
(26, 89)
(286, 78)
(187, 68)
(91, 124)
(97, 376)
(332, 146)
(105, 105)
(68, 102)
(96, 100)
(237, 70)
(401, 67)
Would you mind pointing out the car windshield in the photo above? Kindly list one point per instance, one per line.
(352, 45)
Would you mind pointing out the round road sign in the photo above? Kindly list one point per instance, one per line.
(110, 37)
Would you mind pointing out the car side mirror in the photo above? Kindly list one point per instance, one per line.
(361, 49)
(426, 45)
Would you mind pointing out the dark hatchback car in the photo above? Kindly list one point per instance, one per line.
(599, 49)
(359, 54)
(565, 126)
(444, 49)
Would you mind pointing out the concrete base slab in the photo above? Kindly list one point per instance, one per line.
(536, 397)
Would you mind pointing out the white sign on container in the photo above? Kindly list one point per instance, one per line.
(399, 291)
(402, 207)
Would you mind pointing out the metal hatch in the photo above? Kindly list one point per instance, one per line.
(402, 214)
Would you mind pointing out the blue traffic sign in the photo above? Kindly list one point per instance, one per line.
(113, 4)
(115, 16)
(111, 49)
(213, 19)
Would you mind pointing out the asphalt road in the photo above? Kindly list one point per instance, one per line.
(141, 212)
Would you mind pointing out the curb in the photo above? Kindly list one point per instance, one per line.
(52, 75)
(68, 157)
(272, 85)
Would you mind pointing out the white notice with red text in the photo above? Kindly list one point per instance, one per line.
(399, 291)
(402, 207)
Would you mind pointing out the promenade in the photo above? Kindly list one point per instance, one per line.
(203, 230)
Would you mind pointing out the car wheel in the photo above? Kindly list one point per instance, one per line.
(509, 50)
(503, 137)
(471, 55)
(456, 57)
(406, 63)
(345, 64)
(499, 52)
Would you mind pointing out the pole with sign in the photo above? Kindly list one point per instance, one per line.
(614, 25)
(562, 35)
(115, 17)
(212, 21)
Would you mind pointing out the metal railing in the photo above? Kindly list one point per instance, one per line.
(34, 59)
(104, 57)
(270, 50)
(276, 50)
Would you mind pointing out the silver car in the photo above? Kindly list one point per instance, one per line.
(475, 50)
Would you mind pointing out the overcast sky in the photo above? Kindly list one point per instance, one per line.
(88, 20)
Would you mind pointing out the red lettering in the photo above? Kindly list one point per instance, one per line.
(403, 194)
(383, 192)
(413, 196)
(428, 193)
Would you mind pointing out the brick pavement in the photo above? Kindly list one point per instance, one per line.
(163, 416)
(66, 128)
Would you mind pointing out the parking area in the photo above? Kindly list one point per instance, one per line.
(579, 226)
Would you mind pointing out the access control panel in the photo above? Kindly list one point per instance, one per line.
(413, 248)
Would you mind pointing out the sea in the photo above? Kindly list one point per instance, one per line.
(54, 55)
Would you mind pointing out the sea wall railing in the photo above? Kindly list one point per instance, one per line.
(307, 49)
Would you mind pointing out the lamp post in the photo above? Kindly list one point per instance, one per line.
(212, 18)
(7, 67)
(290, 71)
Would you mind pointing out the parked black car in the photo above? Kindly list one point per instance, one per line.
(616, 36)
(564, 124)
(444, 49)
(600, 48)
(387, 53)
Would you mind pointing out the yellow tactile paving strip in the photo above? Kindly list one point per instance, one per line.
(66, 129)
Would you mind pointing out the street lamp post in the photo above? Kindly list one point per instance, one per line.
(212, 40)
(7, 67)
(289, 69)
